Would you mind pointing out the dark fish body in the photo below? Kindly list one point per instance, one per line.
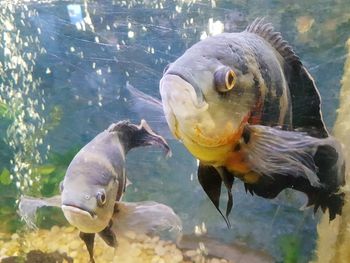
(232, 87)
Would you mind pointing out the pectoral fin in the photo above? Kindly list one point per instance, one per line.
(108, 235)
(88, 239)
(211, 179)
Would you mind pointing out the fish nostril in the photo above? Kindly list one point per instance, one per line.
(87, 197)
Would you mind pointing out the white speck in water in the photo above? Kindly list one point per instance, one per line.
(178, 9)
(72, 49)
(197, 231)
(202, 248)
(191, 177)
(48, 71)
(204, 228)
(131, 34)
(99, 72)
(97, 40)
(93, 65)
(216, 27)
(203, 35)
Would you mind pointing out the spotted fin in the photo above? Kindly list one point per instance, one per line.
(211, 179)
(306, 101)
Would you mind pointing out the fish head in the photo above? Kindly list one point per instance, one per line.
(88, 196)
(207, 95)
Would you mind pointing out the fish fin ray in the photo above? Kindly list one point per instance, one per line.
(133, 136)
(267, 32)
(227, 179)
(108, 235)
(28, 206)
(145, 218)
(306, 100)
(139, 96)
(211, 181)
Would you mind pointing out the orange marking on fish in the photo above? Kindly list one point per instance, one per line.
(256, 112)
(235, 161)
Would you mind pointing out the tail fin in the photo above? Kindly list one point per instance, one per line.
(333, 201)
(292, 159)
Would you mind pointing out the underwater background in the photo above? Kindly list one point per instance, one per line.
(64, 66)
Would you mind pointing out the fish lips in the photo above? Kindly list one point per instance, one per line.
(84, 219)
(172, 82)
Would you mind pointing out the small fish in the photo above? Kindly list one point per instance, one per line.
(245, 106)
(95, 182)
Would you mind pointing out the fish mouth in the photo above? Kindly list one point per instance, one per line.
(183, 83)
(189, 118)
(78, 210)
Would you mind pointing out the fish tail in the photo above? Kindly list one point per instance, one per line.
(334, 202)
(293, 159)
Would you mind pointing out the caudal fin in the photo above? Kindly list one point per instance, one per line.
(292, 159)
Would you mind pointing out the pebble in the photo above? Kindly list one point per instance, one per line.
(191, 253)
(160, 250)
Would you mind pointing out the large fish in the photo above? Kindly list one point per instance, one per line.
(94, 183)
(246, 107)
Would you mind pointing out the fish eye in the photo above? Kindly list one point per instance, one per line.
(101, 198)
(224, 79)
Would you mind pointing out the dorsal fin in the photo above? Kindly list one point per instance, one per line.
(306, 101)
(267, 32)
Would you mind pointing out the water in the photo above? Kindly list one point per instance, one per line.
(64, 67)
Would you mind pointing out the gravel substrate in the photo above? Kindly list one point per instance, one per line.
(62, 244)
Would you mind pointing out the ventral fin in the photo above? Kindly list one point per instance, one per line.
(306, 100)
(88, 239)
(108, 235)
(228, 179)
(211, 181)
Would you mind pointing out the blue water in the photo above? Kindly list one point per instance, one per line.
(81, 78)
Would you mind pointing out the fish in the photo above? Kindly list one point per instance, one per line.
(246, 107)
(95, 182)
